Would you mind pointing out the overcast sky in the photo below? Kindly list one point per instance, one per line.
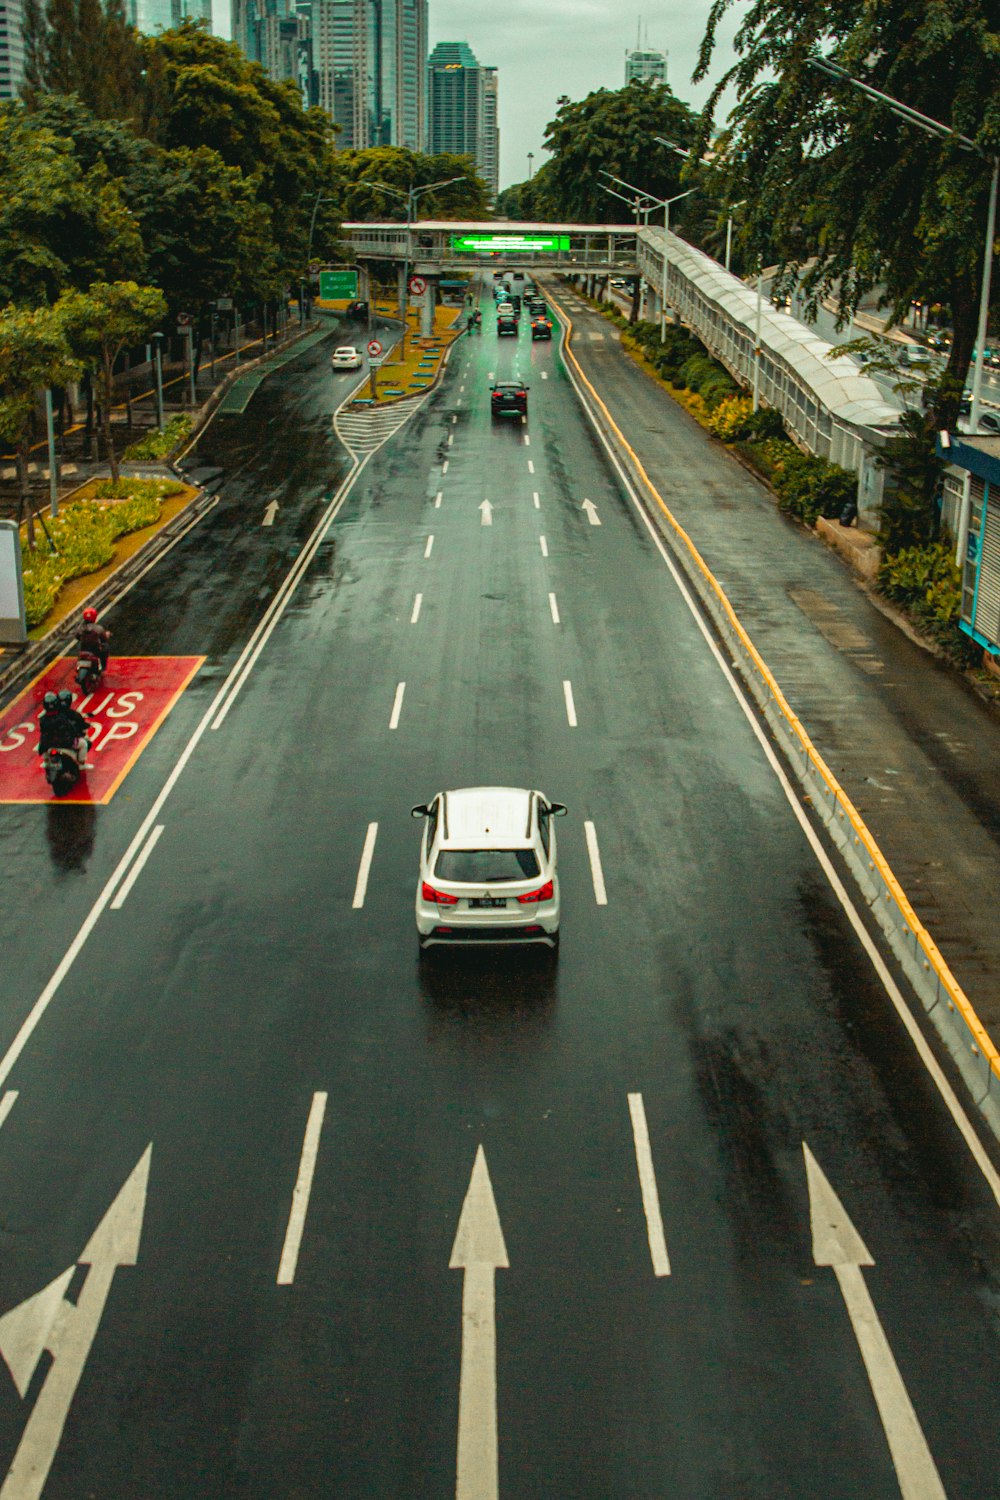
(544, 48)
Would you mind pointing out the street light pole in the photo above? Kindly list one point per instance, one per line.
(410, 199)
(756, 342)
(158, 342)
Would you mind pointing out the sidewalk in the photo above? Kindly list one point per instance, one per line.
(914, 748)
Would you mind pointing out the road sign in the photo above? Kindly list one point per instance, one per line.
(480, 244)
(418, 286)
(334, 285)
(223, 304)
(374, 348)
(183, 321)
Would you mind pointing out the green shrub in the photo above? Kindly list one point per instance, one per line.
(730, 419)
(927, 583)
(810, 487)
(158, 444)
(764, 423)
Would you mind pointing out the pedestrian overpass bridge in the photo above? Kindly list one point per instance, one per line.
(429, 247)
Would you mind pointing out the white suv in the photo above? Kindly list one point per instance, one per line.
(488, 868)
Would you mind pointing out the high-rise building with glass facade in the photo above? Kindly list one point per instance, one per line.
(11, 49)
(644, 65)
(150, 16)
(462, 108)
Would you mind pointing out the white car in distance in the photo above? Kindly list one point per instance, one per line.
(488, 868)
(347, 358)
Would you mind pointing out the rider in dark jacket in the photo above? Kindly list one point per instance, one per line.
(94, 638)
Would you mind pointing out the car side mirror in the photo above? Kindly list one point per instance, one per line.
(492, 387)
(420, 811)
(558, 809)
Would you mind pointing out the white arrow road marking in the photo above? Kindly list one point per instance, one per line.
(7, 1104)
(486, 513)
(397, 706)
(647, 1182)
(430, 543)
(67, 1330)
(591, 509)
(136, 870)
(570, 705)
(544, 546)
(596, 870)
(554, 609)
(480, 1251)
(270, 513)
(415, 616)
(303, 1186)
(361, 885)
(537, 501)
(836, 1243)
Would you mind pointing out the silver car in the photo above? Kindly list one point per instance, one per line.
(488, 868)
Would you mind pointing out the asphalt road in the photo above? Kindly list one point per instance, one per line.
(717, 999)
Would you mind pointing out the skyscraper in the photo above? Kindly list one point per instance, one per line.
(370, 58)
(150, 16)
(11, 49)
(462, 108)
(645, 65)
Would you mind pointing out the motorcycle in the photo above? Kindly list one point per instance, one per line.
(62, 769)
(89, 671)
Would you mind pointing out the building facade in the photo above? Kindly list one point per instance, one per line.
(645, 66)
(151, 16)
(11, 49)
(369, 60)
(462, 108)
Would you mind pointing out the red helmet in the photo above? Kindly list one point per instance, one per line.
(90, 615)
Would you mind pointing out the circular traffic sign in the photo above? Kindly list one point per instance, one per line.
(418, 286)
(374, 348)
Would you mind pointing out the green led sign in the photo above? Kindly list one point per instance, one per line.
(492, 244)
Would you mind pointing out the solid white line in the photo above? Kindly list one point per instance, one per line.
(136, 870)
(397, 704)
(544, 546)
(361, 885)
(554, 608)
(300, 1195)
(534, 496)
(921, 1046)
(444, 467)
(647, 1182)
(570, 705)
(596, 872)
(416, 609)
(7, 1104)
(430, 543)
(531, 467)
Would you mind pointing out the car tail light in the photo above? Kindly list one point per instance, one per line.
(544, 893)
(428, 893)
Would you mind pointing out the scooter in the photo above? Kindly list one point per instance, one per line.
(62, 769)
(89, 671)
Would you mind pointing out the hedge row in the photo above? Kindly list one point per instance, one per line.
(158, 444)
(83, 538)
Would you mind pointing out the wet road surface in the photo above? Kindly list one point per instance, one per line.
(257, 1012)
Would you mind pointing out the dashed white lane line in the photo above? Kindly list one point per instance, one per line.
(300, 1195)
(570, 705)
(397, 706)
(531, 467)
(437, 499)
(136, 870)
(553, 606)
(7, 1104)
(454, 419)
(444, 467)
(596, 872)
(527, 441)
(534, 496)
(361, 884)
(491, 376)
(545, 375)
(647, 1182)
(416, 609)
(430, 543)
(544, 546)
(451, 438)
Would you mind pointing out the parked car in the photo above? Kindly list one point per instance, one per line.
(488, 868)
(346, 358)
(989, 422)
(509, 399)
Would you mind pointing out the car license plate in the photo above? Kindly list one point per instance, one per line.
(481, 901)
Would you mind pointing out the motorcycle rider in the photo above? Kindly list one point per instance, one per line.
(73, 726)
(49, 723)
(94, 638)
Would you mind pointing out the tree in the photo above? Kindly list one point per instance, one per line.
(842, 192)
(87, 48)
(400, 168)
(34, 353)
(99, 324)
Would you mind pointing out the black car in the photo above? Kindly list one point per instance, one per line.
(509, 399)
(356, 310)
(541, 328)
(537, 307)
(506, 325)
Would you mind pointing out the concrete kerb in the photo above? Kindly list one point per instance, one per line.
(939, 992)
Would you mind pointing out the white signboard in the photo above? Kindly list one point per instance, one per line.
(12, 628)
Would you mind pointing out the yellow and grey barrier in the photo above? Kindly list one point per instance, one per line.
(941, 995)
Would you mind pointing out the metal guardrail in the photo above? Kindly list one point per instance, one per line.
(942, 997)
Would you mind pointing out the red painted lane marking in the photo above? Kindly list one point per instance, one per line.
(128, 708)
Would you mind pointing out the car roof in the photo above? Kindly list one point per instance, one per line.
(346, 349)
(493, 817)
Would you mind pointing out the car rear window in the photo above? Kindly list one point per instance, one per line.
(484, 866)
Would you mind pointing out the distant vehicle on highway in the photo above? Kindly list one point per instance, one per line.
(537, 307)
(989, 422)
(347, 358)
(541, 328)
(488, 868)
(356, 310)
(509, 399)
(507, 325)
